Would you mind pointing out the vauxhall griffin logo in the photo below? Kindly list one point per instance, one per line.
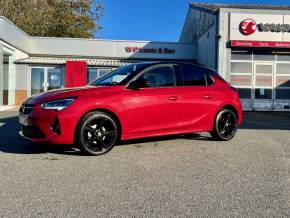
(248, 26)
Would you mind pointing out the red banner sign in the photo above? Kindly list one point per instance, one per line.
(76, 73)
(266, 44)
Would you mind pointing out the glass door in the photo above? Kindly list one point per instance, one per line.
(37, 80)
(55, 78)
(46, 78)
(263, 86)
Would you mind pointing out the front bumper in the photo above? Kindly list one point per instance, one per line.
(49, 126)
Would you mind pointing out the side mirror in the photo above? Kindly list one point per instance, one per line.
(139, 83)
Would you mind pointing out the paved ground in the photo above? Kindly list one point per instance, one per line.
(166, 177)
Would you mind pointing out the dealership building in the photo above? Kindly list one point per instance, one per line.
(248, 44)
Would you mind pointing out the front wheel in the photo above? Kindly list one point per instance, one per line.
(225, 125)
(97, 133)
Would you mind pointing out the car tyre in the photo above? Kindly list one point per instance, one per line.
(97, 133)
(225, 125)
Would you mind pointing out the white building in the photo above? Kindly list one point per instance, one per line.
(248, 44)
(250, 47)
(29, 65)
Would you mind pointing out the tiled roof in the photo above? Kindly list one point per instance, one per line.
(216, 7)
(57, 60)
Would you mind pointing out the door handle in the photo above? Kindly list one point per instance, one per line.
(173, 98)
(207, 97)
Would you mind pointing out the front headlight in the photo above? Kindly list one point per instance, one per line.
(58, 104)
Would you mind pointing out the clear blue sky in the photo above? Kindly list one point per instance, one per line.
(155, 20)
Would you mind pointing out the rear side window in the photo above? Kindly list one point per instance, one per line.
(209, 79)
(193, 76)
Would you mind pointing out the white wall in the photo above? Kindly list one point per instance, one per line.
(107, 48)
(50, 46)
(14, 36)
(229, 20)
(21, 77)
(223, 51)
(237, 18)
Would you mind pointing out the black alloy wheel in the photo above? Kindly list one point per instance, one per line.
(97, 133)
(225, 125)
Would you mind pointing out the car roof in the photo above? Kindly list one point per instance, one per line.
(152, 63)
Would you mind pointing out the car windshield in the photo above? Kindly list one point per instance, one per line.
(119, 76)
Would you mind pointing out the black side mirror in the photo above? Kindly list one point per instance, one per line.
(139, 83)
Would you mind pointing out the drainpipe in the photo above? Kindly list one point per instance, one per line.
(218, 37)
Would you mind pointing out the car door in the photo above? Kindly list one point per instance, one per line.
(153, 109)
(196, 97)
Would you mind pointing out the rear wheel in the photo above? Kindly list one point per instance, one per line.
(97, 133)
(225, 125)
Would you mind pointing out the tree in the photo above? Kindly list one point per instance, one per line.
(59, 18)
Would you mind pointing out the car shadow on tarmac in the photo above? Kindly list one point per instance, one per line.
(12, 142)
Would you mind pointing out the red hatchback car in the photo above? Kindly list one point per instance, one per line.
(134, 101)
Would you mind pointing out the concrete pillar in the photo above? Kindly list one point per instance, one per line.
(1, 74)
(12, 81)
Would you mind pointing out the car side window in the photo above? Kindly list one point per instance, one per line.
(178, 75)
(159, 76)
(193, 76)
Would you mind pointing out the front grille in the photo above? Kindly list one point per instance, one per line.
(32, 132)
(26, 108)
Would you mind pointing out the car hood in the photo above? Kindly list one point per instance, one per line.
(68, 92)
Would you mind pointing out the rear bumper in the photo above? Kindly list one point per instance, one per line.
(240, 114)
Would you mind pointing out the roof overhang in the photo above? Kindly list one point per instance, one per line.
(63, 60)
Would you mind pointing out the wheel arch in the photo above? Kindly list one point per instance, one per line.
(232, 108)
(104, 110)
(226, 106)
(215, 132)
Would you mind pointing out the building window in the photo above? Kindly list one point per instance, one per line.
(244, 93)
(264, 56)
(283, 94)
(283, 57)
(37, 80)
(283, 68)
(261, 75)
(262, 93)
(241, 55)
(55, 78)
(241, 67)
(283, 81)
(94, 73)
(241, 74)
(241, 80)
(46, 78)
(282, 88)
